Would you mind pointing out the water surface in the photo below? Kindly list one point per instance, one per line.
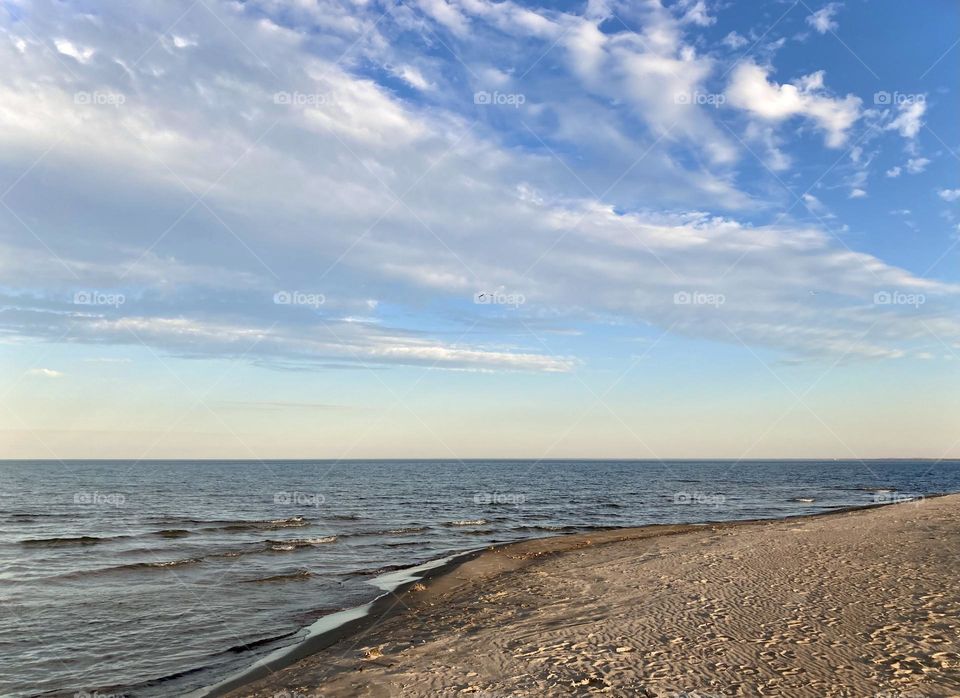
(161, 577)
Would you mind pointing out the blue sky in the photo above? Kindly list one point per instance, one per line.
(462, 228)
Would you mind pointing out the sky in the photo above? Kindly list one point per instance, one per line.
(467, 229)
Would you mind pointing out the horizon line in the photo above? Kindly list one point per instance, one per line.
(482, 459)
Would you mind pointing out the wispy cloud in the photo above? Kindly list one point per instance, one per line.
(611, 164)
(44, 373)
(823, 19)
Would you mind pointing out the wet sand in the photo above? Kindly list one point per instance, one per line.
(859, 603)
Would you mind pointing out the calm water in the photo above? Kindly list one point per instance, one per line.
(157, 578)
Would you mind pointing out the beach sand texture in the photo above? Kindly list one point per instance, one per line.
(861, 603)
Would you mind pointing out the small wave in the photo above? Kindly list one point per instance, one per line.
(467, 522)
(403, 530)
(56, 542)
(172, 533)
(300, 574)
(343, 517)
(231, 524)
(169, 563)
(377, 570)
(292, 522)
(546, 527)
(263, 547)
(295, 543)
(406, 529)
(136, 566)
(571, 528)
(871, 490)
(805, 500)
(237, 649)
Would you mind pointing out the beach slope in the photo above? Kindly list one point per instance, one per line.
(860, 603)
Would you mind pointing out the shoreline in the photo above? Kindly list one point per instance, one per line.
(437, 578)
(348, 622)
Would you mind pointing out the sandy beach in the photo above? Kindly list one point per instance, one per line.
(859, 603)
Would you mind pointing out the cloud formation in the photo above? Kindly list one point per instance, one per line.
(750, 89)
(203, 165)
(908, 120)
(822, 20)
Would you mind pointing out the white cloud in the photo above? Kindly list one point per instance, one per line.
(518, 20)
(68, 48)
(749, 89)
(814, 204)
(477, 215)
(654, 72)
(183, 42)
(492, 77)
(446, 14)
(917, 165)
(346, 340)
(775, 158)
(412, 77)
(44, 373)
(857, 181)
(695, 12)
(949, 194)
(822, 20)
(894, 171)
(587, 47)
(735, 40)
(909, 118)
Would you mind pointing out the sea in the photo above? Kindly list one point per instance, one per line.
(164, 578)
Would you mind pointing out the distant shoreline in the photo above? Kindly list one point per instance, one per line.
(479, 459)
(472, 568)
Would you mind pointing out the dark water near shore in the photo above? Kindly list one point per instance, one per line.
(157, 578)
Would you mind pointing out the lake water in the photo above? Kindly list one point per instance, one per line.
(158, 578)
